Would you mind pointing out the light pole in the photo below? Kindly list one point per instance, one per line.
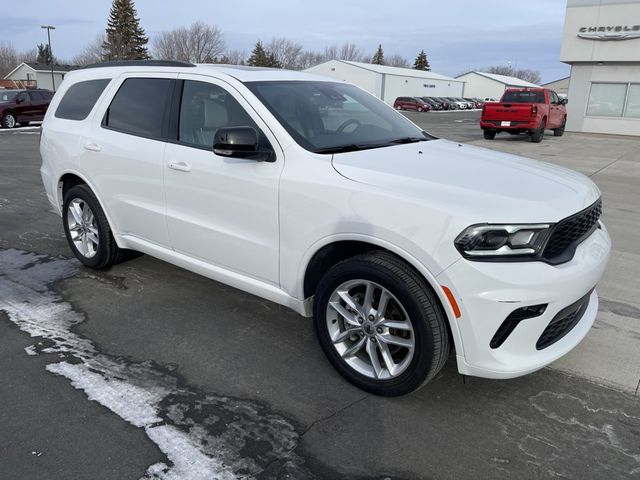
(49, 28)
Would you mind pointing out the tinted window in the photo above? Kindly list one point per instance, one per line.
(35, 96)
(7, 96)
(23, 97)
(204, 109)
(80, 99)
(523, 97)
(139, 106)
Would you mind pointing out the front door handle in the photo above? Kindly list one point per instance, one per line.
(180, 166)
(93, 147)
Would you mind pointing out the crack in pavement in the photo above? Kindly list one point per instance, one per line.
(202, 435)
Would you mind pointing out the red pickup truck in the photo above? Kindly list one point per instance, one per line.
(530, 110)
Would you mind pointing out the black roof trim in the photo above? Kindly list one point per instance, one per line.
(141, 63)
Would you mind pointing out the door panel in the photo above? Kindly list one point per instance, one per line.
(124, 154)
(24, 109)
(221, 210)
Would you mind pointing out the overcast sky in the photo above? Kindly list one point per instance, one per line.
(458, 35)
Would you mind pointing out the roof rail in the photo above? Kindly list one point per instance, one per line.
(141, 63)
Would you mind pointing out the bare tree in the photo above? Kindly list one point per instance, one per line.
(351, 52)
(397, 61)
(199, 43)
(309, 59)
(91, 53)
(233, 57)
(330, 53)
(525, 74)
(286, 52)
(10, 58)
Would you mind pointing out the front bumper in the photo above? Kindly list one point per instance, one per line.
(487, 292)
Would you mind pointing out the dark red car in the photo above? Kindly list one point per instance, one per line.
(19, 107)
(411, 103)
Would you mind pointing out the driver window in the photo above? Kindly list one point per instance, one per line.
(23, 97)
(204, 109)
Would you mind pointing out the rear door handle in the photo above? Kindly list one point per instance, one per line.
(180, 166)
(93, 147)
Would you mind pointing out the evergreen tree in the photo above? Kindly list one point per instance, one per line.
(44, 53)
(421, 63)
(261, 58)
(125, 37)
(378, 57)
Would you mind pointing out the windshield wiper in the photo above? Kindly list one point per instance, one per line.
(409, 140)
(352, 147)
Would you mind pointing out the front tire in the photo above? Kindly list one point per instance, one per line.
(380, 324)
(9, 120)
(558, 132)
(87, 229)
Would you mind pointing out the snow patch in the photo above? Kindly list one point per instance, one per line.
(204, 436)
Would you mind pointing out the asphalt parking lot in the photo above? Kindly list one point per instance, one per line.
(149, 371)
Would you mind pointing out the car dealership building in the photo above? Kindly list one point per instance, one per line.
(602, 44)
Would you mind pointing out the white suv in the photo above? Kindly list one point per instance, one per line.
(314, 194)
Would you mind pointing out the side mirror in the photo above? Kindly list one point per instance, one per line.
(240, 142)
(19, 101)
(564, 101)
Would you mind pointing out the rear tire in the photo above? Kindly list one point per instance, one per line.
(558, 132)
(356, 334)
(489, 134)
(538, 135)
(88, 231)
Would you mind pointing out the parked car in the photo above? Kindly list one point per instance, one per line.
(530, 110)
(475, 103)
(435, 105)
(460, 104)
(490, 99)
(469, 103)
(411, 103)
(20, 107)
(318, 196)
(446, 103)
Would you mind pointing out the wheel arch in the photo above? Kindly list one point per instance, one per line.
(332, 251)
(70, 179)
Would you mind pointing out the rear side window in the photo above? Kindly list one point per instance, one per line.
(80, 99)
(139, 106)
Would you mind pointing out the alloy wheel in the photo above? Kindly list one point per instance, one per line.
(82, 228)
(370, 329)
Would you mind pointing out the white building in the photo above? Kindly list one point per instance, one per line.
(490, 85)
(560, 86)
(388, 83)
(601, 42)
(38, 75)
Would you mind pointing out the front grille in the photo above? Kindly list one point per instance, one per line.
(563, 322)
(568, 233)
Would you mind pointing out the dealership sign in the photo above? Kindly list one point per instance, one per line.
(611, 32)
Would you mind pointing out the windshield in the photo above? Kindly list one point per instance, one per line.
(523, 97)
(7, 96)
(328, 117)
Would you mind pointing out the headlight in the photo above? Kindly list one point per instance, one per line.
(492, 242)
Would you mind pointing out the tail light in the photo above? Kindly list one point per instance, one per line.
(534, 110)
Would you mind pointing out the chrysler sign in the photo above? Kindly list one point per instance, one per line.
(611, 32)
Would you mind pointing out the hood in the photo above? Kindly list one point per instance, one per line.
(483, 184)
